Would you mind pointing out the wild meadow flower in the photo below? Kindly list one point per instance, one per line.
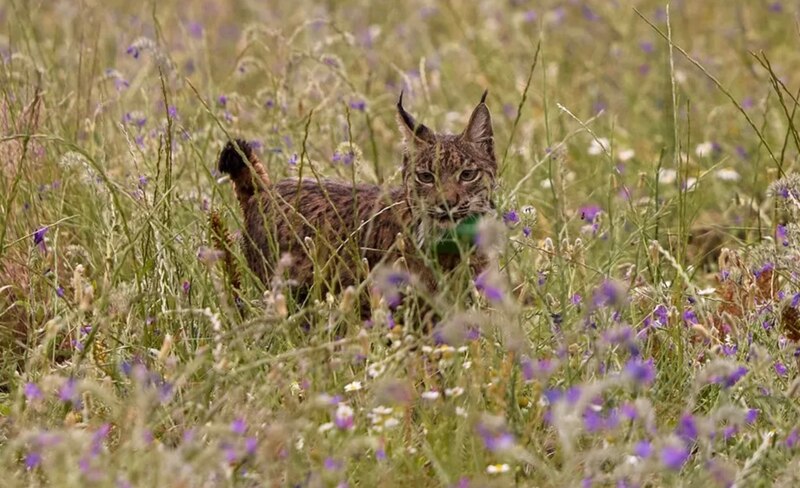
(495, 437)
(673, 457)
(793, 439)
(33, 459)
(667, 176)
(238, 426)
(641, 372)
(598, 146)
(332, 464)
(456, 391)
(487, 283)
(251, 445)
(781, 235)
(38, 238)
(730, 378)
(687, 428)
(358, 104)
(511, 217)
(594, 422)
(607, 294)
(540, 369)
(68, 393)
(498, 468)
(643, 449)
(344, 417)
(589, 213)
(727, 174)
(780, 369)
(354, 386)
(430, 395)
(704, 149)
(32, 392)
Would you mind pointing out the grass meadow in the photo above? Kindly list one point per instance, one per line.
(640, 326)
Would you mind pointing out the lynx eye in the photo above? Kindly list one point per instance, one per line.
(469, 175)
(425, 177)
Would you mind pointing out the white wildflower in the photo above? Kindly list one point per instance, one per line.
(704, 149)
(626, 155)
(454, 392)
(498, 468)
(598, 146)
(376, 370)
(430, 395)
(667, 176)
(354, 386)
(728, 174)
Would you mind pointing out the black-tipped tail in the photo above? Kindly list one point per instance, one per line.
(249, 176)
(230, 159)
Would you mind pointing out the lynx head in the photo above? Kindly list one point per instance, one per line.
(448, 177)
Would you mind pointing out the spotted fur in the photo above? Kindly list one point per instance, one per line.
(337, 225)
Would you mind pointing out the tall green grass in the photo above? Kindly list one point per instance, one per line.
(610, 346)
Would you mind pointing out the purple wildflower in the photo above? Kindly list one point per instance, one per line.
(133, 51)
(195, 29)
(643, 449)
(511, 217)
(332, 464)
(69, 393)
(689, 317)
(733, 378)
(495, 440)
(38, 238)
(606, 295)
(642, 372)
(222, 100)
(186, 287)
(526, 231)
(33, 459)
(32, 391)
(687, 428)
(661, 314)
(792, 439)
(674, 457)
(359, 105)
(250, 445)
(629, 411)
(780, 368)
(590, 212)
(729, 350)
(782, 235)
(767, 267)
(490, 291)
(751, 416)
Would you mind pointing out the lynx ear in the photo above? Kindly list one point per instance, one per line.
(414, 134)
(479, 129)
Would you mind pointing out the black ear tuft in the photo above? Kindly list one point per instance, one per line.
(230, 159)
(483, 98)
(416, 134)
